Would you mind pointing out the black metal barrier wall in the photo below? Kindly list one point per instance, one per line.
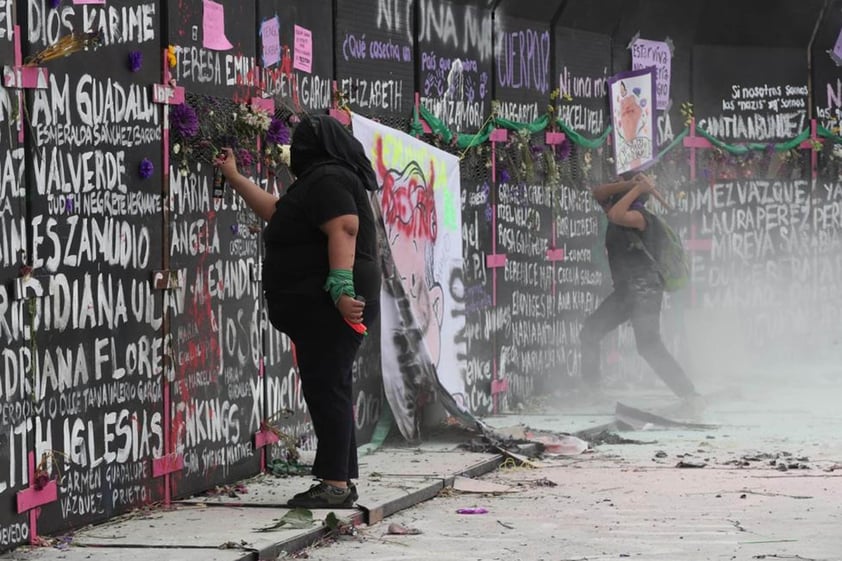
(137, 364)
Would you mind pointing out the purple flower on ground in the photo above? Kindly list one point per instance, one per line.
(504, 176)
(278, 132)
(184, 121)
(135, 60)
(565, 148)
(146, 168)
(244, 158)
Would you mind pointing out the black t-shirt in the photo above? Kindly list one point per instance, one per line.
(296, 249)
(630, 266)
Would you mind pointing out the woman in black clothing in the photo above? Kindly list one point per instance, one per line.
(638, 286)
(322, 284)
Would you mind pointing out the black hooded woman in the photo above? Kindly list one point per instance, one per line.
(321, 279)
(638, 286)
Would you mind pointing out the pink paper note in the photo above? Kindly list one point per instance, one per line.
(213, 27)
(270, 38)
(303, 57)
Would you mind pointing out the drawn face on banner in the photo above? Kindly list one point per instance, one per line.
(409, 214)
(632, 105)
(630, 114)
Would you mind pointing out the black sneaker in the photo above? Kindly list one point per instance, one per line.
(352, 495)
(322, 495)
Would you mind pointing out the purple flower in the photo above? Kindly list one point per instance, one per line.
(184, 121)
(244, 158)
(135, 60)
(146, 168)
(565, 148)
(504, 176)
(278, 132)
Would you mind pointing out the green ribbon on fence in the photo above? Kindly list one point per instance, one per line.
(678, 140)
(577, 137)
(739, 149)
(465, 141)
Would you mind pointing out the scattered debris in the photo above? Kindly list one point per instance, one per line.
(472, 510)
(607, 437)
(504, 525)
(286, 468)
(230, 491)
(660, 454)
(335, 525)
(737, 525)
(242, 545)
(641, 420)
(468, 485)
(396, 529)
(544, 482)
(777, 556)
(775, 494)
(521, 459)
(297, 518)
(562, 444)
(690, 464)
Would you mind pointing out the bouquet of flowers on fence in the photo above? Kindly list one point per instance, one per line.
(202, 126)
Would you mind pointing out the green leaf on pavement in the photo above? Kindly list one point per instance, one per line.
(332, 521)
(297, 519)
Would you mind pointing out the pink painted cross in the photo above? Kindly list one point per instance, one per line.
(29, 500)
(495, 261)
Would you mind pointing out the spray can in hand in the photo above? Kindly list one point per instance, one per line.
(218, 184)
(358, 327)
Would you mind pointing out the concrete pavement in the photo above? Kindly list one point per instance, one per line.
(770, 488)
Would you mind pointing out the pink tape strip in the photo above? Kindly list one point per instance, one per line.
(553, 138)
(499, 386)
(166, 465)
(264, 438)
(555, 254)
(499, 135)
(495, 261)
(340, 116)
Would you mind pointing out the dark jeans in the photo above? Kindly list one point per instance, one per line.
(643, 307)
(325, 348)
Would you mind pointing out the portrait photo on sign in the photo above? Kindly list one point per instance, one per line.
(632, 101)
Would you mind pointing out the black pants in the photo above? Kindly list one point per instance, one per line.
(325, 347)
(643, 307)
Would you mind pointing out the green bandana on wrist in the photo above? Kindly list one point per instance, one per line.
(339, 282)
